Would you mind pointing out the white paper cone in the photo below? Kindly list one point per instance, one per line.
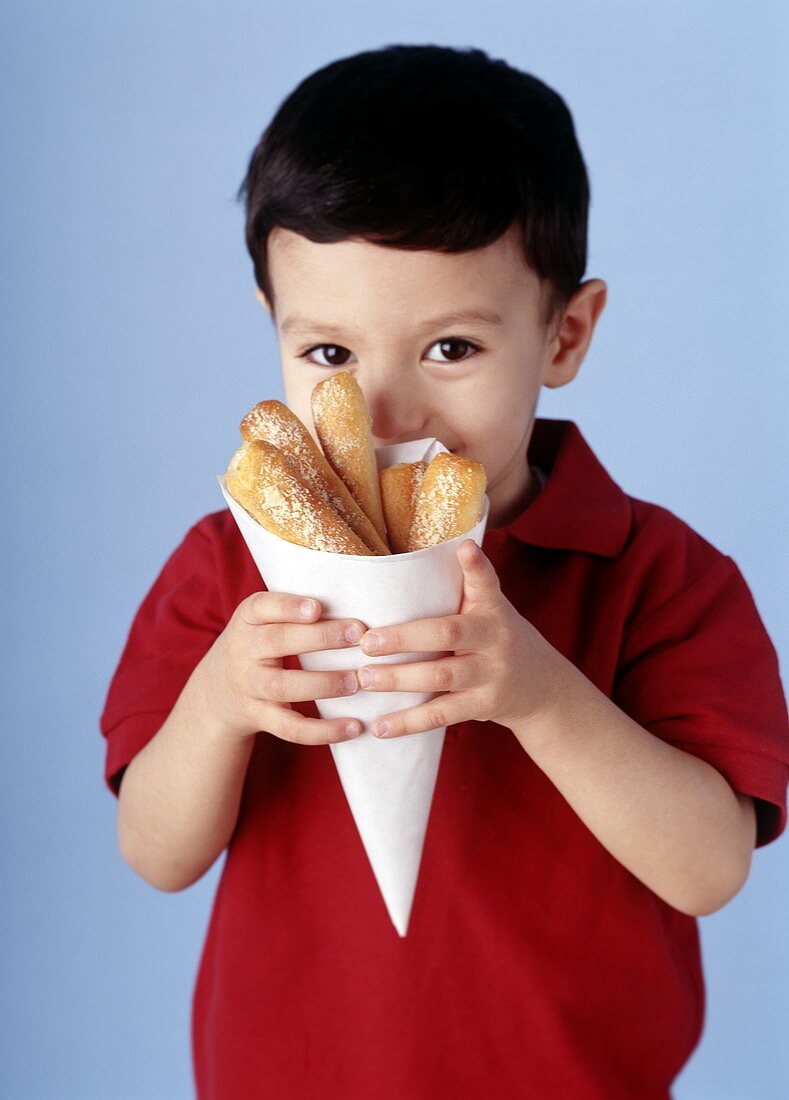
(388, 784)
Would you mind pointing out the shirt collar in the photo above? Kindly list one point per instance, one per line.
(580, 507)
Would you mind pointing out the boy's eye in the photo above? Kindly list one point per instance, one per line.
(453, 342)
(336, 356)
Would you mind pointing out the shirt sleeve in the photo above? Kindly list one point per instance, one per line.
(175, 626)
(701, 673)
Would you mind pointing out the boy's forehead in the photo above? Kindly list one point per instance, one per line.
(306, 274)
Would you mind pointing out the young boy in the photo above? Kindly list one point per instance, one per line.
(616, 741)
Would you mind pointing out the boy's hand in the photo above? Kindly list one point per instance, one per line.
(501, 669)
(241, 681)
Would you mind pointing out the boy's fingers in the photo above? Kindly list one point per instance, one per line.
(450, 632)
(444, 710)
(289, 725)
(278, 607)
(285, 685)
(446, 674)
(481, 588)
(287, 638)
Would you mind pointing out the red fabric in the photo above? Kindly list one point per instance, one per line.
(535, 964)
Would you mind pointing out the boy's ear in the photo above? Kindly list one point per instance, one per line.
(574, 334)
(261, 297)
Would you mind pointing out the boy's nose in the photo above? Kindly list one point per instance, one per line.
(396, 416)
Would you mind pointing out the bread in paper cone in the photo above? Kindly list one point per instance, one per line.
(274, 423)
(399, 488)
(388, 784)
(267, 483)
(446, 503)
(343, 426)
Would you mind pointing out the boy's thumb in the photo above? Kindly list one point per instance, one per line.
(480, 584)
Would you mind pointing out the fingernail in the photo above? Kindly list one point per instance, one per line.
(380, 729)
(372, 643)
(366, 677)
(307, 608)
(352, 730)
(354, 633)
(349, 681)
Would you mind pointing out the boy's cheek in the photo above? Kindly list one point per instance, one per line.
(298, 396)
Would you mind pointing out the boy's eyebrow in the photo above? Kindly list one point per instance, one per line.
(296, 323)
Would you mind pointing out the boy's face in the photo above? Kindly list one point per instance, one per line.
(471, 383)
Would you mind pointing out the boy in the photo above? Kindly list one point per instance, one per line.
(616, 741)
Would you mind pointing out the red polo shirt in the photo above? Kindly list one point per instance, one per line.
(535, 964)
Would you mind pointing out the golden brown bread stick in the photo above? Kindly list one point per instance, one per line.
(273, 422)
(450, 500)
(343, 426)
(399, 487)
(267, 483)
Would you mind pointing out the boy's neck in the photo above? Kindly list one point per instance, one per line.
(516, 488)
(511, 499)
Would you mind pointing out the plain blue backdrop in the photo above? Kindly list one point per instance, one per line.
(132, 344)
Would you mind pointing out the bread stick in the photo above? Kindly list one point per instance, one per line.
(399, 487)
(450, 500)
(343, 426)
(274, 423)
(267, 483)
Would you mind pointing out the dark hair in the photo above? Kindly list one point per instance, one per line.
(423, 147)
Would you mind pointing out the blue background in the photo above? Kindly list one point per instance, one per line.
(132, 344)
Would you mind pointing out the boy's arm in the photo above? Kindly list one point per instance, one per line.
(669, 817)
(179, 797)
